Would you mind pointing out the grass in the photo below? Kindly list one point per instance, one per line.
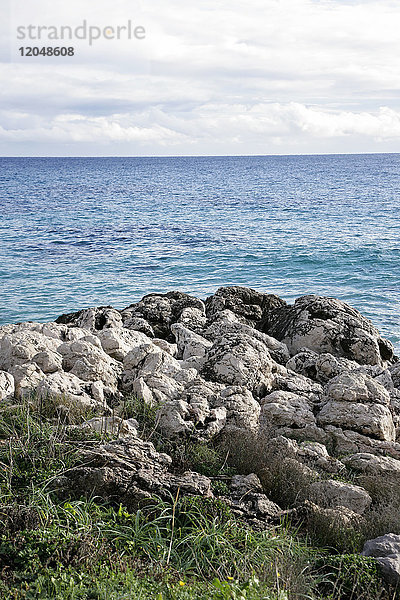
(55, 547)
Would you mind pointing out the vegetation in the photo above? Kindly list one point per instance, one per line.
(185, 548)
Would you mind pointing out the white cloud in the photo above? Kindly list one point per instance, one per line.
(312, 74)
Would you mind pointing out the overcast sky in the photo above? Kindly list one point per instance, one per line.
(210, 77)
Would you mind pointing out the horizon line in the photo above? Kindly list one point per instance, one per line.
(198, 155)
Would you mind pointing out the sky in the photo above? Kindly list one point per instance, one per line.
(206, 78)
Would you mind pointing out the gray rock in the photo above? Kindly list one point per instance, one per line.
(356, 387)
(92, 318)
(239, 360)
(7, 386)
(189, 343)
(373, 420)
(90, 363)
(242, 410)
(281, 409)
(128, 471)
(373, 465)
(248, 305)
(386, 550)
(331, 494)
(161, 310)
(329, 325)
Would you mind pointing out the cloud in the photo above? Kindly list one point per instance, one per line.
(271, 74)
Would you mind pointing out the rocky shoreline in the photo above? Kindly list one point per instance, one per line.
(312, 384)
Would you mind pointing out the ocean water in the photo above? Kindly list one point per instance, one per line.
(78, 232)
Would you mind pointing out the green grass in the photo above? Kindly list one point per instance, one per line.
(185, 548)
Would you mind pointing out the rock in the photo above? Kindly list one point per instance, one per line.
(191, 411)
(319, 367)
(161, 310)
(374, 420)
(129, 471)
(48, 361)
(7, 387)
(386, 550)
(247, 304)
(90, 363)
(289, 381)
(193, 318)
(172, 349)
(351, 442)
(395, 374)
(189, 343)
(369, 464)
(21, 346)
(141, 390)
(334, 519)
(27, 378)
(99, 318)
(242, 410)
(385, 545)
(332, 494)
(118, 341)
(173, 418)
(69, 389)
(356, 387)
(137, 324)
(226, 323)
(112, 425)
(243, 484)
(329, 325)
(281, 409)
(239, 360)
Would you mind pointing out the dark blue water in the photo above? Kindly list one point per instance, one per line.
(78, 232)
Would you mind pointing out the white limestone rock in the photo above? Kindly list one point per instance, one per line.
(280, 409)
(332, 494)
(189, 343)
(370, 464)
(90, 363)
(7, 386)
(356, 387)
(118, 341)
(373, 420)
(239, 360)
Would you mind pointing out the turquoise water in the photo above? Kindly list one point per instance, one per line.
(78, 232)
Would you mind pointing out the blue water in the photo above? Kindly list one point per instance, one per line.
(77, 232)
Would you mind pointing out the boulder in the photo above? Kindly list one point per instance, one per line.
(239, 360)
(369, 464)
(89, 362)
(112, 425)
(21, 346)
(327, 325)
(332, 494)
(242, 410)
(162, 310)
(48, 361)
(7, 386)
(356, 387)
(386, 550)
(285, 409)
(189, 343)
(68, 389)
(374, 420)
(319, 367)
(247, 304)
(97, 318)
(130, 471)
(118, 341)
(226, 323)
(27, 378)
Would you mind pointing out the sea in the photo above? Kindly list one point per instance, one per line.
(79, 232)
